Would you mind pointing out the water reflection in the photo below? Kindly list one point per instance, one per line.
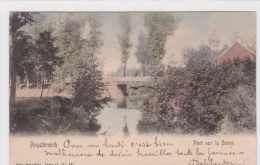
(117, 121)
(125, 129)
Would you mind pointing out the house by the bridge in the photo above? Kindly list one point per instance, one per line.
(236, 51)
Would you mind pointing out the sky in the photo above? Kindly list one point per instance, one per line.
(193, 30)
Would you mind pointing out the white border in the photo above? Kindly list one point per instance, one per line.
(7, 6)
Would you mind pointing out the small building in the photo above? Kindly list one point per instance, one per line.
(236, 51)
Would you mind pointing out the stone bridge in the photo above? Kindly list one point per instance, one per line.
(116, 87)
(124, 80)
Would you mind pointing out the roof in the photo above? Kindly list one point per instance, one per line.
(236, 51)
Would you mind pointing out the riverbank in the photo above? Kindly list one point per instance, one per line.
(36, 93)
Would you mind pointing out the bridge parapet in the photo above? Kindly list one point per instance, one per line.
(124, 80)
(108, 80)
(131, 80)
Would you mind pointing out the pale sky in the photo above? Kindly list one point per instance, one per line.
(194, 29)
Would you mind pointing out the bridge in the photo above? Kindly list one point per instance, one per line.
(124, 80)
(116, 87)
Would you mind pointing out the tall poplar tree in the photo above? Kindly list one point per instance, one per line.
(124, 37)
(159, 27)
(142, 53)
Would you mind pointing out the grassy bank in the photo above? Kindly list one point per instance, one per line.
(52, 115)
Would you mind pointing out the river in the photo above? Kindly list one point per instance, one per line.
(119, 121)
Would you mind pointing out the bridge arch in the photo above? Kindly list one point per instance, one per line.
(116, 85)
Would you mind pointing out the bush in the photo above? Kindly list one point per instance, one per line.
(88, 90)
(240, 110)
(49, 116)
(195, 101)
(60, 87)
(137, 93)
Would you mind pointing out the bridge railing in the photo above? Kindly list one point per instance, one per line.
(124, 80)
(105, 80)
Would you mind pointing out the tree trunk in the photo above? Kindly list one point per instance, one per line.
(42, 84)
(37, 80)
(143, 70)
(12, 70)
(124, 69)
(48, 90)
(27, 82)
(13, 83)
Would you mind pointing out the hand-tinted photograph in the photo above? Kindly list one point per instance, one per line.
(132, 73)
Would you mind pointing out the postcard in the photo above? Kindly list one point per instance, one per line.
(132, 87)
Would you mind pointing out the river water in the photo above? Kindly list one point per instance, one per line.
(119, 121)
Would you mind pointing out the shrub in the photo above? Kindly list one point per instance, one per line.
(240, 110)
(49, 116)
(198, 101)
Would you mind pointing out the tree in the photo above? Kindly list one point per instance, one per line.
(203, 57)
(142, 53)
(131, 72)
(236, 37)
(80, 64)
(88, 91)
(214, 42)
(202, 99)
(95, 41)
(198, 58)
(221, 51)
(251, 44)
(47, 59)
(76, 50)
(159, 27)
(17, 20)
(72, 49)
(172, 61)
(124, 37)
(25, 50)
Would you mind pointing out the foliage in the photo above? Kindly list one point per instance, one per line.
(95, 41)
(214, 42)
(137, 93)
(195, 101)
(46, 60)
(48, 116)
(251, 44)
(159, 27)
(88, 92)
(124, 37)
(88, 88)
(71, 50)
(74, 63)
(160, 100)
(132, 72)
(24, 51)
(62, 87)
(16, 21)
(20, 19)
(240, 108)
(81, 67)
(142, 53)
(46, 49)
(203, 57)
(149, 123)
(35, 56)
